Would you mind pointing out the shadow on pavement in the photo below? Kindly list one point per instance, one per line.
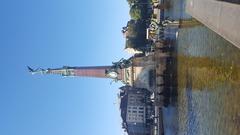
(231, 1)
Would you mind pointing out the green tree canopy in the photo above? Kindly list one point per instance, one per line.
(135, 43)
(136, 28)
(132, 28)
(131, 2)
(136, 12)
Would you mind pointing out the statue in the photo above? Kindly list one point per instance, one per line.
(38, 70)
(122, 63)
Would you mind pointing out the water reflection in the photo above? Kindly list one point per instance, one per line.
(206, 73)
(208, 70)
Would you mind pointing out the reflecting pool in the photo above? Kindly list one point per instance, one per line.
(208, 81)
(208, 71)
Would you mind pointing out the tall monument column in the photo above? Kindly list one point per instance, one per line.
(94, 71)
(116, 71)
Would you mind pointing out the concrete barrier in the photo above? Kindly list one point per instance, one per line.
(221, 17)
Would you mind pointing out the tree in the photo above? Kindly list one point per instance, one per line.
(131, 2)
(135, 43)
(130, 43)
(136, 12)
(136, 28)
(132, 28)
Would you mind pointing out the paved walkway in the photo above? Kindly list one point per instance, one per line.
(221, 17)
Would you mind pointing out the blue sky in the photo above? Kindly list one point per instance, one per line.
(53, 33)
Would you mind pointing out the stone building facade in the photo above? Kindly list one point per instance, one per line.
(136, 110)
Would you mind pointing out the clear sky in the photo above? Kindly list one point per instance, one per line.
(53, 33)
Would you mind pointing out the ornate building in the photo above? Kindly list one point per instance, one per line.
(136, 110)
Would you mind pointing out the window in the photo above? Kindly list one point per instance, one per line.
(134, 111)
(140, 111)
(141, 108)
